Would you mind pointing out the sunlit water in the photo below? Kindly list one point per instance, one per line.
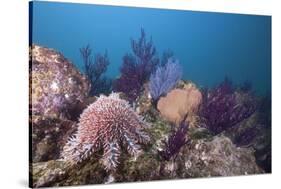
(209, 46)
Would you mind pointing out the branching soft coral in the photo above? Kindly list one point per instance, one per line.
(145, 54)
(175, 141)
(222, 107)
(95, 69)
(136, 68)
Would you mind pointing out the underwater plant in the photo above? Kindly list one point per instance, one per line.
(106, 124)
(222, 107)
(95, 69)
(175, 141)
(164, 79)
(137, 67)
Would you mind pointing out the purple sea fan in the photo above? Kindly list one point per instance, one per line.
(223, 107)
(175, 141)
(107, 124)
(165, 78)
(95, 69)
(130, 82)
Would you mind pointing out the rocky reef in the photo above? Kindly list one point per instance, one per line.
(48, 138)
(216, 156)
(55, 84)
(56, 89)
(78, 139)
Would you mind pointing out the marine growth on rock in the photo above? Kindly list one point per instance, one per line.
(55, 83)
(108, 124)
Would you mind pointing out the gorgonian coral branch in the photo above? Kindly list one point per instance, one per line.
(175, 141)
(136, 67)
(95, 68)
(222, 107)
(164, 79)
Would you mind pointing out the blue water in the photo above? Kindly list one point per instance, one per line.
(210, 46)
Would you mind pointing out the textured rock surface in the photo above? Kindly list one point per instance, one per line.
(180, 102)
(47, 173)
(55, 84)
(216, 157)
(201, 157)
(48, 137)
(256, 134)
(60, 173)
(144, 101)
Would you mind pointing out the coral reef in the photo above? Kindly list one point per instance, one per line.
(136, 68)
(55, 84)
(223, 107)
(180, 102)
(79, 139)
(107, 124)
(216, 156)
(95, 69)
(164, 79)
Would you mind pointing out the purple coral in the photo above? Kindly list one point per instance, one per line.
(95, 67)
(107, 124)
(130, 81)
(175, 141)
(223, 107)
(136, 69)
(165, 78)
(145, 54)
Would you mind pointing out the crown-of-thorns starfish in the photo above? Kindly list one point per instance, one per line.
(107, 124)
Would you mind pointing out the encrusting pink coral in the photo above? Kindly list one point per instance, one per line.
(107, 124)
